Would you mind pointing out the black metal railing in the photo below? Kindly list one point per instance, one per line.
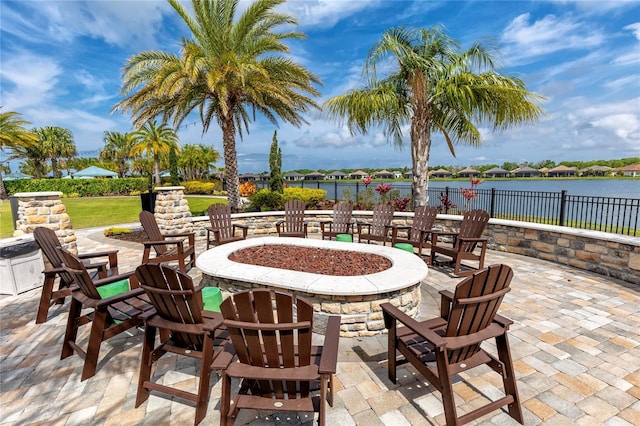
(609, 214)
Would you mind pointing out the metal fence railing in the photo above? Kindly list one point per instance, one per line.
(609, 214)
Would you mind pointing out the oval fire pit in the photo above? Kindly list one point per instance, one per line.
(356, 298)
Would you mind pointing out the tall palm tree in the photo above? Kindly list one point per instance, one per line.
(14, 137)
(117, 148)
(435, 88)
(57, 143)
(228, 69)
(154, 140)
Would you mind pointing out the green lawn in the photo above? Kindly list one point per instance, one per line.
(101, 211)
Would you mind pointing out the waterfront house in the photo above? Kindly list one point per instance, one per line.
(383, 174)
(630, 170)
(562, 171)
(337, 175)
(596, 171)
(440, 173)
(293, 176)
(408, 175)
(249, 177)
(496, 172)
(314, 176)
(526, 171)
(468, 173)
(358, 175)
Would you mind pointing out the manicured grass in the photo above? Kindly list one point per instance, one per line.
(102, 211)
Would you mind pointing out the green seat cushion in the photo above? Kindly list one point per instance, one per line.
(344, 238)
(404, 246)
(113, 289)
(211, 299)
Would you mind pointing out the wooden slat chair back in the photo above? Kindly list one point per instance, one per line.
(271, 334)
(108, 317)
(468, 317)
(464, 242)
(186, 330)
(418, 234)
(293, 224)
(341, 222)
(380, 226)
(222, 230)
(48, 242)
(168, 248)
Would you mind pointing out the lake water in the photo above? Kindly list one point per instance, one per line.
(617, 188)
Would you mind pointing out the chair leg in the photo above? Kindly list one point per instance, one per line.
(95, 341)
(146, 362)
(205, 377)
(448, 399)
(225, 400)
(323, 403)
(71, 332)
(391, 351)
(45, 299)
(509, 378)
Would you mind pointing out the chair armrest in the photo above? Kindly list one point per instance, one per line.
(364, 225)
(391, 314)
(162, 243)
(446, 299)
(179, 234)
(114, 278)
(472, 240)
(239, 225)
(329, 357)
(119, 297)
(224, 358)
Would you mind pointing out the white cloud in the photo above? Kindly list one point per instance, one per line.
(28, 80)
(525, 41)
(635, 28)
(324, 13)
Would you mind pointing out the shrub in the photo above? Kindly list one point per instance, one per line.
(198, 187)
(265, 200)
(82, 187)
(247, 189)
(116, 231)
(311, 197)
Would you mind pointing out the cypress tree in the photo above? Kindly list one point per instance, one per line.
(276, 181)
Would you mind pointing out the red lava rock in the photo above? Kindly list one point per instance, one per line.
(315, 260)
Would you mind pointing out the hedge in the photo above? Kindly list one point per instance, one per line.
(79, 187)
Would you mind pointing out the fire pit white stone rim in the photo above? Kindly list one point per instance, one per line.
(406, 270)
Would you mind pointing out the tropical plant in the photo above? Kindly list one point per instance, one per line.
(195, 160)
(228, 67)
(56, 144)
(154, 140)
(117, 148)
(435, 88)
(276, 179)
(15, 138)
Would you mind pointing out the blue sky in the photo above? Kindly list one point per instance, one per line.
(61, 62)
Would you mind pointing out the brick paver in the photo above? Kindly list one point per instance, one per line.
(575, 343)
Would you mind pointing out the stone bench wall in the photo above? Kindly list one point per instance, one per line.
(607, 254)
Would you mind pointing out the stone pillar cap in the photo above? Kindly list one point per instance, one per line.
(168, 188)
(38, 194)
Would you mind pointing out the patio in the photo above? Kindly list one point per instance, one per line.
(575, 345)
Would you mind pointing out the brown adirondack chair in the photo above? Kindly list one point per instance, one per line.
(48, 242)
(108, 317)
(293, 224)
(468, 317)
(168, 248)
(464, 242)
(419, 231)
(276, 362)
(341, 223)
(378, 229)
(185, 329)
(222, 230)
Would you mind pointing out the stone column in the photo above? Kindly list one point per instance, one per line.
(172, 210)
(45, 209)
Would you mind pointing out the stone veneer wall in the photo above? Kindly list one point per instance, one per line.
(360, 315)
(45, 209)
(612, 255)
(172, 210)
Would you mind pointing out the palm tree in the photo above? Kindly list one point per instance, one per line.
(14, 137)
(154, 140)
(195, 159)
(230, 68)
(435, 88)
(117, 148)
(57, 143)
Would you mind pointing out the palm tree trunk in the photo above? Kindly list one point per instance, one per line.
(231, 165)
(54, 167)
(3, 190)
(420, 148)
(156, 168)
